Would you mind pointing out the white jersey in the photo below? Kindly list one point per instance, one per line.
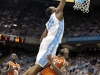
(50, 43)
(55, 28)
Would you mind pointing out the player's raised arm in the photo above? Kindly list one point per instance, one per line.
(61, 6)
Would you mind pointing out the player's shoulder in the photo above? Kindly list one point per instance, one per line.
(59, 16)
(10, 62)
(7, 63)
(52, 16)
(18, 64)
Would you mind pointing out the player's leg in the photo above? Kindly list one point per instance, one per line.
(34, 70)
(41, 60)
(31, 70)
(26, 73)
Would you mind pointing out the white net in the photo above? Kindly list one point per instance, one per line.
(83, 5)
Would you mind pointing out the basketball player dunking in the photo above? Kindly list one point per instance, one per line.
(51, 37)
(11, 67)
(58, 63)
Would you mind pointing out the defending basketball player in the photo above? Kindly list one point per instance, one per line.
(58, 63)
(51, 37)
(11, 67)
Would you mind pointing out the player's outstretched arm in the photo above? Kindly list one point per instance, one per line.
(5, 70)
(61, 6)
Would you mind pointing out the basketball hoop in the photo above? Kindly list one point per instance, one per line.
(82, 5)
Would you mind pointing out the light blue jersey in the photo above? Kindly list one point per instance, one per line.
(55, 28)
(51, 42)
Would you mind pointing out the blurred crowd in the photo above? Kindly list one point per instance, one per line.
(84, 64)
(9, 13)
(34, 21)
(33, 24)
